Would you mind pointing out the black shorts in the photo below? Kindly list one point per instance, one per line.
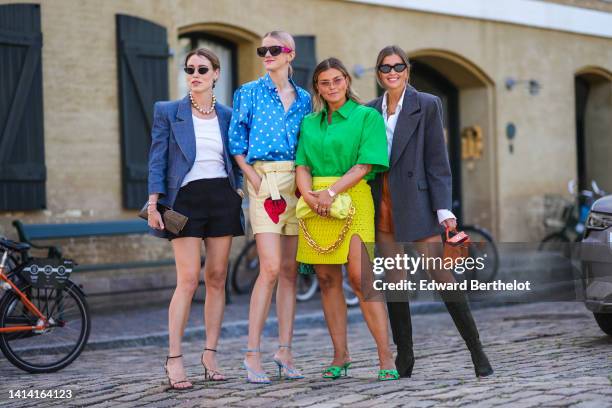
(213, 208)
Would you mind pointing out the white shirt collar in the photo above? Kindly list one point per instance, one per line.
(399, 103)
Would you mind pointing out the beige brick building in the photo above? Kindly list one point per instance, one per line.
(469, 52)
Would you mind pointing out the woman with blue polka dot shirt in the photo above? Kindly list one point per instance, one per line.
(263, 135)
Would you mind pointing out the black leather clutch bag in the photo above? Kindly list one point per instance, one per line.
(174, 222)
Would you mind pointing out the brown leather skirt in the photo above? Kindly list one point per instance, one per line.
(385, 219)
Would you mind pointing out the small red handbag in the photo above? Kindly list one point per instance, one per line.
(456, 245)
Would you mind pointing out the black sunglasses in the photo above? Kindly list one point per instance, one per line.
(386, 68)
(274, 50)
(191, 70)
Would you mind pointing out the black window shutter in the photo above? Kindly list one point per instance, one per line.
(305, 60)
(22, 152)
(143, 52)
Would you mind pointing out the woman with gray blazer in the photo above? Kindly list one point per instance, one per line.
(412, 200)
(191, 171)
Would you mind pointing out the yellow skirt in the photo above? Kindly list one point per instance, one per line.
(325, 230)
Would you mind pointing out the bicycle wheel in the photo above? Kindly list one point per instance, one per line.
(483, 246)
(54, 348)
(307, 286)
(246, 269)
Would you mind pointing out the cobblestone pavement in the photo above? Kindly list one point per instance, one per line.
(546, 354)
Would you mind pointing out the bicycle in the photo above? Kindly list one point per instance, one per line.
(311, 285)
(44, 317)
(246, 269)
(571, 224)
(482, 246)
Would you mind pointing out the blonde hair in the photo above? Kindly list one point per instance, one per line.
(318, 103)
(284, 38)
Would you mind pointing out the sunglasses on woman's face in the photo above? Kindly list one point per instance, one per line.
(386, 68)
(274, 50)
(336, 82)
(201, 70)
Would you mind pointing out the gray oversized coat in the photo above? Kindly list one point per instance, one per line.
(419, 177)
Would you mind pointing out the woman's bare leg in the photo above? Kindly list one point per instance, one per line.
(187, 259)
(285, 297)
(334, 309)
(269, 252)
(374, 311)
(215, 274)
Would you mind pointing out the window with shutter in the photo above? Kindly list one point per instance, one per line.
(305, 60)
(22, 154)
(143, 53)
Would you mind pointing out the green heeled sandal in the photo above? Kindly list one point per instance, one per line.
(388, 375)
(334, 371)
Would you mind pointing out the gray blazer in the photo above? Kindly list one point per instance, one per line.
(419, 176)
(173, 150)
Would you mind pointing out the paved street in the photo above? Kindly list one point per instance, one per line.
(547, 354)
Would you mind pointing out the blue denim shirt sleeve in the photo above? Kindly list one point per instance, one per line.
(240, 122)
(158, 154)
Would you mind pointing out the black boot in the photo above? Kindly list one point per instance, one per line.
(458, 306)
(401, 327)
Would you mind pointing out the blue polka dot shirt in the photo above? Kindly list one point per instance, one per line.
(260, 128)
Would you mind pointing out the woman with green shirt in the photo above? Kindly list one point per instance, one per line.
(341, 145)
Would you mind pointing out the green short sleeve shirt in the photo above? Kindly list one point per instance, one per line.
(356, 135)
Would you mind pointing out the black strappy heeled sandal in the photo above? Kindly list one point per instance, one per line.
(211, 375)
(173, 383)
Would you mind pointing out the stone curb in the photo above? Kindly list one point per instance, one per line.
(240, 327)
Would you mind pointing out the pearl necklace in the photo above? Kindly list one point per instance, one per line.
(200, 109)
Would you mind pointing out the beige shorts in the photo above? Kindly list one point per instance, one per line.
(272, 209)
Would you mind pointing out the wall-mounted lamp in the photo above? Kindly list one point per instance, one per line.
(359, 70)
(532, 85)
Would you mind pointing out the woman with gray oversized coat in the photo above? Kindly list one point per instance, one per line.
(412, 200)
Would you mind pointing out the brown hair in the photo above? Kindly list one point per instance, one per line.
(284, 38)
(331, 63)
(391, 50)
(206, 53)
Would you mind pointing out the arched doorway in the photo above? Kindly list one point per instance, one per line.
(235, 48)
(227, 53)
(593, 88)
(468, 102)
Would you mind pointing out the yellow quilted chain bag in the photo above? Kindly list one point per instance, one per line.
(342, 208)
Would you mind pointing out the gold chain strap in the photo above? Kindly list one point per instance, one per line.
(325, 250)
